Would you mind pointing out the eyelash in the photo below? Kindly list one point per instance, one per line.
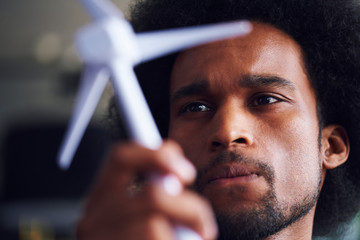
(186, 108)
(254, 102)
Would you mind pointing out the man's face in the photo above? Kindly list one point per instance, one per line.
(245, 114)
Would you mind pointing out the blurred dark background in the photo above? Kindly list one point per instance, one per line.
(39, 76)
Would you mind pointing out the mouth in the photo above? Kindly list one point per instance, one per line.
(231, 173)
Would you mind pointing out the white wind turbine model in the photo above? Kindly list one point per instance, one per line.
(110, 48)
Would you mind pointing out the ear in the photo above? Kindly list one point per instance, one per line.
(335, 146)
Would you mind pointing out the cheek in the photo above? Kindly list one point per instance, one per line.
(190, 139)
(298, 164)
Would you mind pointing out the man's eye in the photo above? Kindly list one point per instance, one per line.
(264, 100)
(195, 107)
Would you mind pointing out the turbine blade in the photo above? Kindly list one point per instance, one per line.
(100, 9)
(156, 44)
(92, 85)
(133, 106)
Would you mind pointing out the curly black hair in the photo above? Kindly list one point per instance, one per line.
(328, 32)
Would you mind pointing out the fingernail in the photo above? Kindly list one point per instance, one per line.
(169, 183)
(186, 233)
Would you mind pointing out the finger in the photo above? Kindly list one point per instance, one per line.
(111, 207)
(117, 210)
(133, 219)
(155, 227)
(127, 160)
(169, 158)
(187, 209)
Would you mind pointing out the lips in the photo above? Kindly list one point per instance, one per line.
(231, 172)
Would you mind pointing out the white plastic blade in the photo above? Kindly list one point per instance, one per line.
(107, 39)
(100, 9)
(133, 106)
(156, 44)
(92, 85)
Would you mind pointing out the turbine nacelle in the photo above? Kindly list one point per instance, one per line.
(107, 39)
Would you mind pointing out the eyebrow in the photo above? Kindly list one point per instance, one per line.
(252, 81)
(190, 90)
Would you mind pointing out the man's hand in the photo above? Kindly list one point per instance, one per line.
(115, 210)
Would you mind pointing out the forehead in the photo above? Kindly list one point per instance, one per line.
(265, 51)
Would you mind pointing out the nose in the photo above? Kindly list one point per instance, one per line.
(230, 127)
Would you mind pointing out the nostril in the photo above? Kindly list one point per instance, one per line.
(218, 144)
(240, 140)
